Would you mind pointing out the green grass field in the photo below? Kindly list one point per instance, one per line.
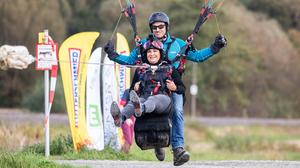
(25, 142)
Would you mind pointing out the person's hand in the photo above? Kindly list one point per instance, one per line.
(137, 86)
(219, 43)
(171, 85)
(109, 48)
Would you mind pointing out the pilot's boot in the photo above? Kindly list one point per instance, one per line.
(180, 156)
(160, 154)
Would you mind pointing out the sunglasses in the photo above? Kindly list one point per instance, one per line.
(159, 26)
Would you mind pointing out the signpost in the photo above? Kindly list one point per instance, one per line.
(46, 58)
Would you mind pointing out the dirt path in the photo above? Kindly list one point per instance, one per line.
(17, 116)
(10, 116)
(192, 164)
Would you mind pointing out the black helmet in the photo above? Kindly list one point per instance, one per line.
(159, 17)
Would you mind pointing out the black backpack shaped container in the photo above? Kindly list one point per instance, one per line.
(152, 130)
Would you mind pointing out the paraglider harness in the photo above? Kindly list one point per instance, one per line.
(152, 130)
(153, 79)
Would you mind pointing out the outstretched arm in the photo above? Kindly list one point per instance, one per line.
(131, 59)
(204, 54)
(200, 55)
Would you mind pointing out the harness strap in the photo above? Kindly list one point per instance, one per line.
(181, 56)
(139, 52)
(168, 48)
(156, 88)
(157, 82)
(181, 66)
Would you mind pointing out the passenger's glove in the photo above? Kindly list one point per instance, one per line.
(219, 43)
(109, 48)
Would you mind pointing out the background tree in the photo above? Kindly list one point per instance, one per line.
(19, 25)
(255, 75)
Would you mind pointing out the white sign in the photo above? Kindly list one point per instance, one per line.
(194, 90)
(46, 56)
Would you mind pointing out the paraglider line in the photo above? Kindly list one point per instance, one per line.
(117, 25)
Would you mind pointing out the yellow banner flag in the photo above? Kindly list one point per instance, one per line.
(74, 53)
(123, 77)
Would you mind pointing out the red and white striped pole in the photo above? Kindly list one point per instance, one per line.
(52, 86)
(46, 90)
(49, 96)
(46, 45)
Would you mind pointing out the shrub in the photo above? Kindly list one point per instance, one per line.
(58, 146)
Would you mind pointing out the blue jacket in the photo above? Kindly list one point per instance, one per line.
(195, 56)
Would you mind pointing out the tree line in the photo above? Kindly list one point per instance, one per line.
(254, 76)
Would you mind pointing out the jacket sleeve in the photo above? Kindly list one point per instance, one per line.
(195, 55)
(128, 59)
(200, 55)
(180, 88)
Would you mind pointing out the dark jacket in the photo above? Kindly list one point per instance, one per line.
(144, 75)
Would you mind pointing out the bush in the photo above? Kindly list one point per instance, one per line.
(58, 146)
(63, 146)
